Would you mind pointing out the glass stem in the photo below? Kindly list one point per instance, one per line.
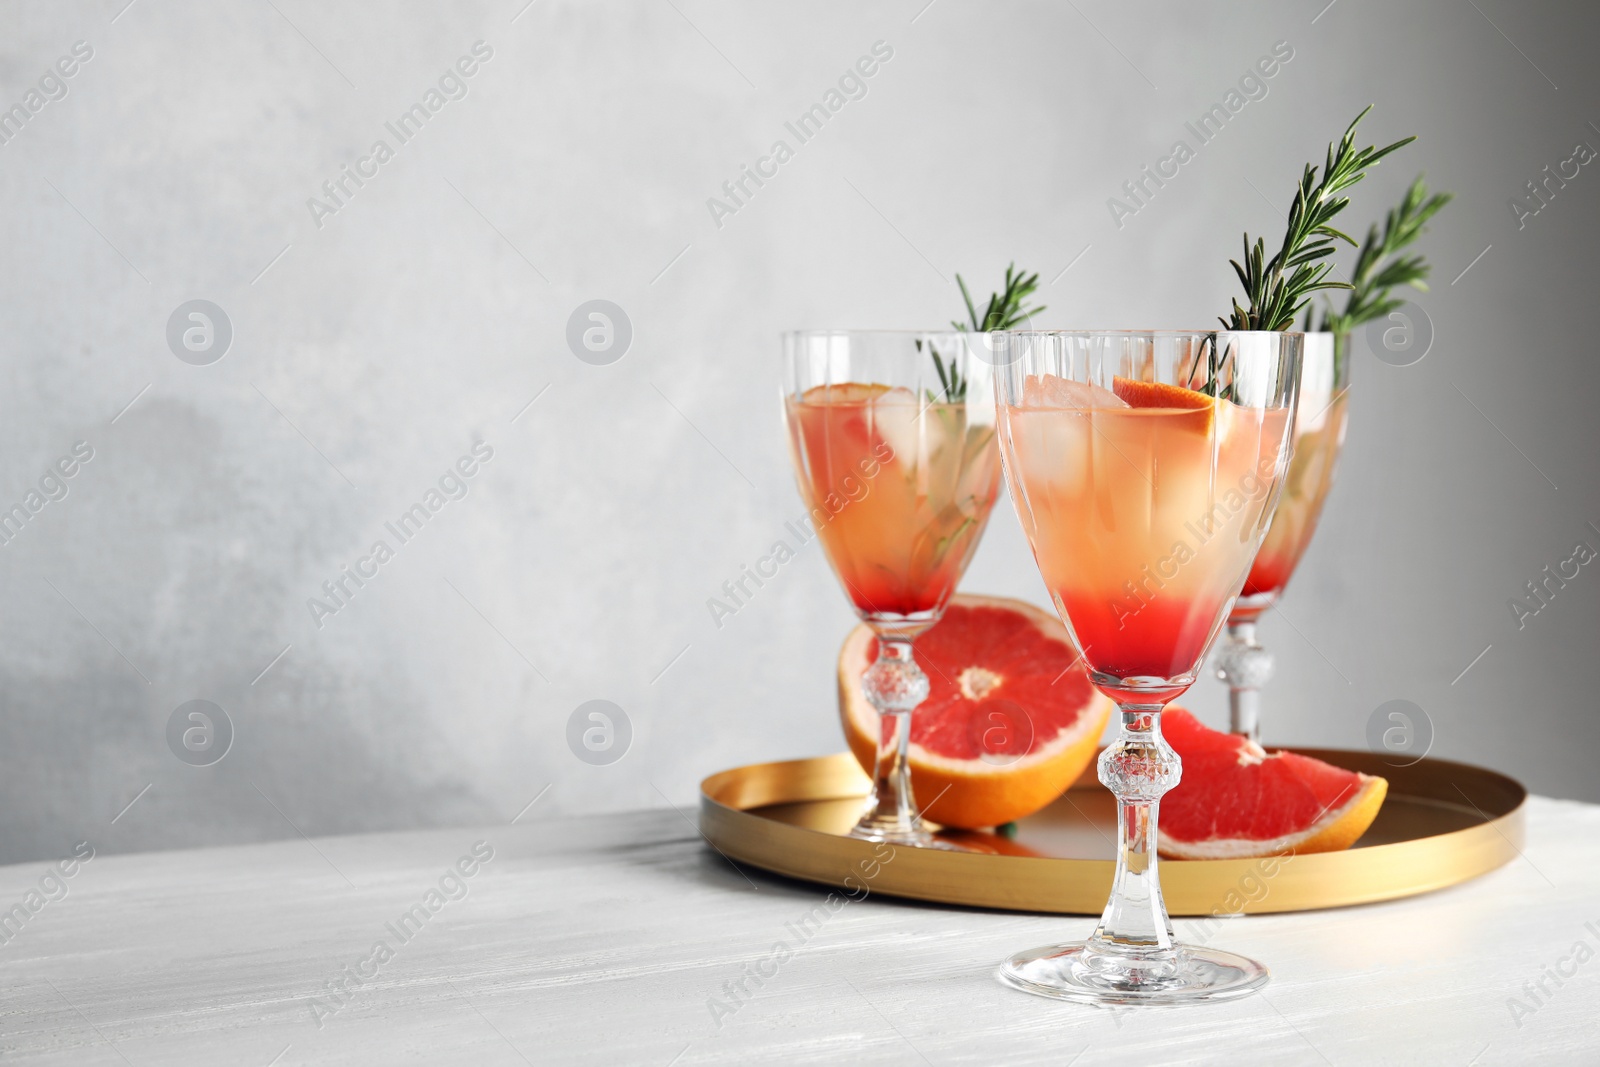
(1135, 935)
(1246, 667)
(894, 685)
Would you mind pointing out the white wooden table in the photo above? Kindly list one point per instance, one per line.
(603, 941)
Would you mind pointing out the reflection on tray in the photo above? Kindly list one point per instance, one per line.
(1443, 823)
(1082, 824)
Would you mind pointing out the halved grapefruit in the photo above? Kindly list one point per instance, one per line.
(1010, 720)
(1237, 800)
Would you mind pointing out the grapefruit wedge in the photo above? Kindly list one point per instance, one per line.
(1237, 800)
(1010, 720)
(1162, 395)
(1138, 394)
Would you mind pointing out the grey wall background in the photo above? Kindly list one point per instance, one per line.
(371, 352)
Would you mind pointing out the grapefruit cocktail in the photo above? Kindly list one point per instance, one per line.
(894, 450)
(1318, 437)
(1144, 467)
(1141, 509)
(899, 487)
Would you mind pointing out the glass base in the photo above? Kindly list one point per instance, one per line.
(1078, 973)
(893, 832)
(869, 829)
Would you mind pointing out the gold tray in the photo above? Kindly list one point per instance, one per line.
(1442, 823)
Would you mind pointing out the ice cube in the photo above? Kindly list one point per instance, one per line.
(897, 419)
(1051, 391)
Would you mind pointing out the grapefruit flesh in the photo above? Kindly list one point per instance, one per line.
(1237, 800)
(1137, 394)
(1171, 398)
(844, 393)
(1011, 719)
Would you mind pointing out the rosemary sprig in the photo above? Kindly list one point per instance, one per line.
(953, 387)
(1380, 268)
(1005, 310)
(1280, 288)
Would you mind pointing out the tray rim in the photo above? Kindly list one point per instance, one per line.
(1054, 885)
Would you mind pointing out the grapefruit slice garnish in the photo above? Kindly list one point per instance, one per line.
(1236, 799)
(1167, 397)
(1137, 394)
(1010, 720)
(843, 418)
(843, 393)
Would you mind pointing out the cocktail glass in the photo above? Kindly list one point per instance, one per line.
(1318, 437)
(1144, 500)
(892, 435)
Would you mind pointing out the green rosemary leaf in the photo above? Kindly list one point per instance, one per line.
(972, 312)
(938, 366)
(1006, 309)
(1380, 268)
(1278, 289)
